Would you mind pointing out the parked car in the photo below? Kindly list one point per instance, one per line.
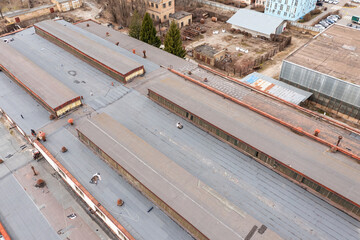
(319, 26)
(324, 24)
(320, 4)
(335, 2)
(332, 20)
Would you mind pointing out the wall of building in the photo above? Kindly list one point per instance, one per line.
(68, 107)
(289, 9)
(30, 15)
(67, 5)
(329, 93)
(161, 11)
(253, 33)
(255, 2)
(293, 175)
(187, 20)
(209, 60)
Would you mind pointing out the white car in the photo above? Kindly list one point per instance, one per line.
(319, 26)
(335, 2)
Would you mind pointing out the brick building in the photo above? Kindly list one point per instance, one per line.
(160, 10)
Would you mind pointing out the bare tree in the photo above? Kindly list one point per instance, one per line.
(122, 10)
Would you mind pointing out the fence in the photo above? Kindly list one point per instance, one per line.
(218, 5)
(305, 27)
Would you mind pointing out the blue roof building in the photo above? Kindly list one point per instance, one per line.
(289, 9)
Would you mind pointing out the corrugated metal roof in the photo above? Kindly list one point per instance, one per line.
(255, 21)
(322, 83)
(277, 88)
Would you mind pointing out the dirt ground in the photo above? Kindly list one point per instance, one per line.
(272, 67)
(223, 39)
(9, 6)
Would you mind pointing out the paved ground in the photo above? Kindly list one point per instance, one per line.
(37, 213)
(346, 12)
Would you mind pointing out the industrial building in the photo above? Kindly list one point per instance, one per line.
(112, 63)
(248, 21)
(67, 5)
(181, 18)
(208, 54)
(277, 88)
(228, 161)
(28, 14)
(182, 196)
(289, 9)
(227, 124)
(160, 10)
(327, 67)
(47, 90)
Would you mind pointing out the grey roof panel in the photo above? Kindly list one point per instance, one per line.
(255, 21)
(207, 211)
(114, 60)
(267, 136)
(148, 65)
(49, 89)
(20, 216)
(134, 215)
(15, 101)
(281, 205)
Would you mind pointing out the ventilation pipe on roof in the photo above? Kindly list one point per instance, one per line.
(144, 52)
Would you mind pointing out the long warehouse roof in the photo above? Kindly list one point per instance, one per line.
(312, 159)
(50, 90)
(106, 56)
(184, 193)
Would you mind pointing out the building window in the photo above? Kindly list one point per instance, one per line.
(182, 24)
(169, 3)
(164, 16)
(153, 16)
(164, 5)
(152, 4)
(157, 17)
(157, 6)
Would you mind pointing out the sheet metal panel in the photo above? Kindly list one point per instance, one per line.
(113, 60)
(322, 83)
(277, 88)
(49, 89)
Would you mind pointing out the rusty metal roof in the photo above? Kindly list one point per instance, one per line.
(206, 210)
(277, 88)
(50, 90)
(100, 53)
